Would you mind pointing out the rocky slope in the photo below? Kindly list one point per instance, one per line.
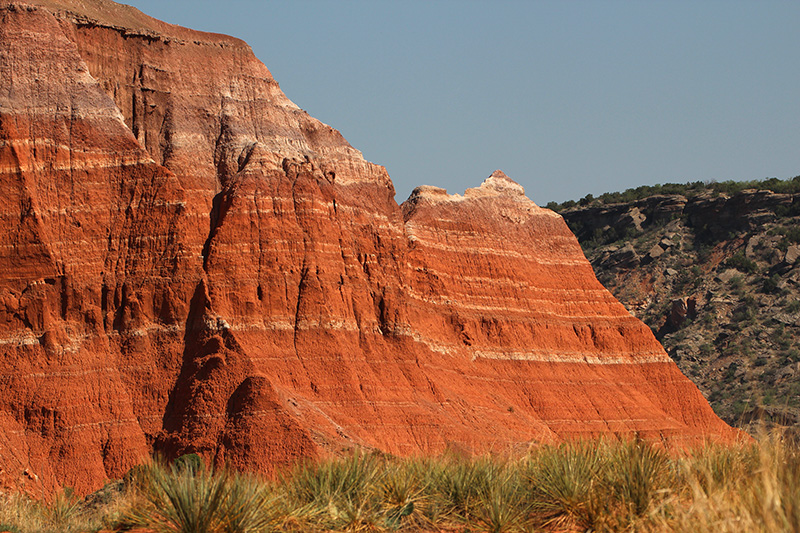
(716, 276)
(191, 263)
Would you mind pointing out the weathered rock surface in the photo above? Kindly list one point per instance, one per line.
(189, 262)
(722, 296)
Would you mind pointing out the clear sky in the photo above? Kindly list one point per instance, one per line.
(567, 97)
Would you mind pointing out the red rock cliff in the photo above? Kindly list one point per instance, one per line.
(189, 262)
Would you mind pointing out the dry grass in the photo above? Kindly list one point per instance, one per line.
(62, 514)
(578, 486)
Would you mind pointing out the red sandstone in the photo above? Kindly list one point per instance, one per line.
(189, 262)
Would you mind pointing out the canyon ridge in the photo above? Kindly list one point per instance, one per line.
(191, 263)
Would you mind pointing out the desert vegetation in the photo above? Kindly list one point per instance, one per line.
(690, 189)
(578, 486)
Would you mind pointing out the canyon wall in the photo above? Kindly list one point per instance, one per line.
(191, 263)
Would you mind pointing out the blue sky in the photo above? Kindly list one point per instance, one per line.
(568, 97)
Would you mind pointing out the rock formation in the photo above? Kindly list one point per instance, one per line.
(714, 271)
(191, 263)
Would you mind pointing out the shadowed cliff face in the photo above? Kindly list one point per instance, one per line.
(192, 263)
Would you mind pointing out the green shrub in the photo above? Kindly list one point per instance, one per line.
(403, 494)
(338, 493)
(564, 482)
(791, 234)
(745, 313)
(770, 285)
(191, 461)
(640, 473)
(501, 504)
(792, 306)
(183, 498)
(742, 263)
(730, 373)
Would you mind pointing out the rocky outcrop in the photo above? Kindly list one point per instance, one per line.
(191, 263)
(713, 217)
(607, 223)
(718, 281)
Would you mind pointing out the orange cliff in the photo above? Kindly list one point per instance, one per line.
(189, 262)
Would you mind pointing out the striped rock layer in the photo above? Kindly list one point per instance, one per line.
(191, 263)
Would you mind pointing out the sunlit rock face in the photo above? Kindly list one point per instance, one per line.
(191, 263)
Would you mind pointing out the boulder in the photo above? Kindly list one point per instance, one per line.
(792, 254)
(655, 252)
